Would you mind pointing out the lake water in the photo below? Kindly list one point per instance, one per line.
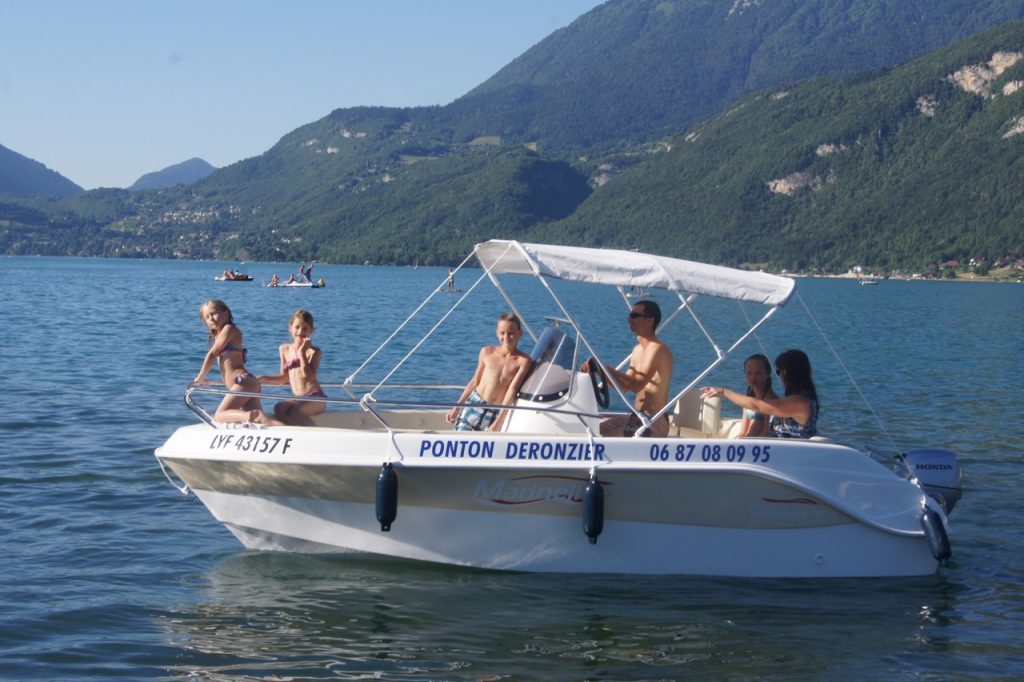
(108, 572)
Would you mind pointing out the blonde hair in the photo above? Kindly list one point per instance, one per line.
(511, 317)
(303, 315)
(221, 307)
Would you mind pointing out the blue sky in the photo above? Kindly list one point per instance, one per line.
(107, 90)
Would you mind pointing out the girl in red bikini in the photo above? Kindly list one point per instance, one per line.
(227, 351)
(300, 361)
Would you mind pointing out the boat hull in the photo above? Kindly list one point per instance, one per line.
(811, 510)
(538, 543)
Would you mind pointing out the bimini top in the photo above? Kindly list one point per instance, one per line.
(630, 268)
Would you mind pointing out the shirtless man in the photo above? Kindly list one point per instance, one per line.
(648, 375)
(499, 374)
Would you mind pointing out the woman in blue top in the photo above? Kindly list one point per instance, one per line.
(793, 416)
(758, 371)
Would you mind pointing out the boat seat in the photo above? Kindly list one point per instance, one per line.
(731, 428)
(695, 417)
(422, 420)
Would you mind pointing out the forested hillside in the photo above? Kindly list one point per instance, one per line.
(627, 72)
(22, 176)
(921, 163)
(586, 138)
(179, 174)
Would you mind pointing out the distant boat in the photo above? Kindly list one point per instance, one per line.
(302, 285)
(635, 292)
(233, 276)
(866, 281)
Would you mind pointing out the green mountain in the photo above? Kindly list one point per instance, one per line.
(21, 176)
(183, 173)
(919, 163)
(628, 72)
(527, 153)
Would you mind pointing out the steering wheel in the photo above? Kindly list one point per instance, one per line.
(599, 380)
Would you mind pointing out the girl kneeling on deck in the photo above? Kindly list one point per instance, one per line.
(300, 361)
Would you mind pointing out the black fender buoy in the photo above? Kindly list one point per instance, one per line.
(593, 509)
(935, 531)
(387, 496)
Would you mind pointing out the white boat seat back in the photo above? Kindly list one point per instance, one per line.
(580, 399)
(696, 414)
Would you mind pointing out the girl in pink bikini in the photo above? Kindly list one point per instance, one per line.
(227, 351)
(300, 360)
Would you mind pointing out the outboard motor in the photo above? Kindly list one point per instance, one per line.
(938, 472)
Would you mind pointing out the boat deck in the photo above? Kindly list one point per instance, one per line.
(433, 421)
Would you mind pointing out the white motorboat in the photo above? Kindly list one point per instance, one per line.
(384, 473)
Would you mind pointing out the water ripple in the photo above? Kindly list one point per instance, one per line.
(108, 572)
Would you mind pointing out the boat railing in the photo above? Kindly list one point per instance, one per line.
(367, 402)
(205, 416)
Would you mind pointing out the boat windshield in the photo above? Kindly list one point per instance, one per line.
(551, 377)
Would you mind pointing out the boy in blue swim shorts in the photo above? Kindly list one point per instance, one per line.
(500, 371)
(473, 418)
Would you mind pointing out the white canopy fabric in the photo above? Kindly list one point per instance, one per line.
(629, 269)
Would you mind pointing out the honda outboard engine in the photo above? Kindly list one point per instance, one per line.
(938, 472)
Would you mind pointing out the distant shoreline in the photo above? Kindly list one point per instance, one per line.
(970, 277)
